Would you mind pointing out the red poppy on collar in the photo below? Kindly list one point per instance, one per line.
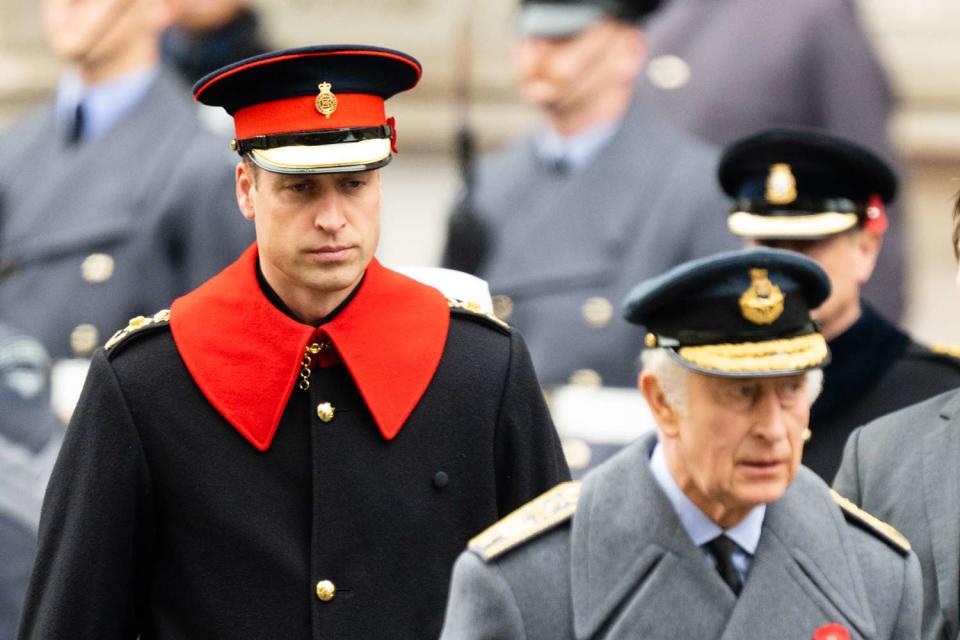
(831, 631)
(245, 355)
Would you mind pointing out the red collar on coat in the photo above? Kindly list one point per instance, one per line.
(246, 355)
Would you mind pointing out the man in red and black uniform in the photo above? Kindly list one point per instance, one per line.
(300, 447)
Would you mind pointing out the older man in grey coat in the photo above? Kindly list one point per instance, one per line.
(712, 530)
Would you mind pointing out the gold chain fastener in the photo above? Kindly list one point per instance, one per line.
(308, 353)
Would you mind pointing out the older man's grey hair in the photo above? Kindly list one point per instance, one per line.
(673, 378)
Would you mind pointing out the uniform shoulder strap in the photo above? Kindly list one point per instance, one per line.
(141, 325)
(951, 350)
(857, 516)
(473, 311)
(949, 353)
(537, 516)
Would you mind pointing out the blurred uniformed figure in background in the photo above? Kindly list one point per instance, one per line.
(903, 467)
(209, 34)
(825, 196)
(30, 436)
(301, 446)
(723, 69)
(713, 529)
(603, 193)
(113, 198)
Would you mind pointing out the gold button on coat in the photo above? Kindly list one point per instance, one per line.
(325, 411)
(668, 72)
(577, 452)
(586, 378)
(502, 306)
(97, 267)
(597, 312)
(84, 339)
(326, 590)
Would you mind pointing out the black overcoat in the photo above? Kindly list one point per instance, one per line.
(161, 520)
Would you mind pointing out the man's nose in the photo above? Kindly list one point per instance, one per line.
(770, 416)
(328, 214)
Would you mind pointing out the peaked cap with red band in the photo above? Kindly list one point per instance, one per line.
(245, 355)
(313, 109)
(800, 183)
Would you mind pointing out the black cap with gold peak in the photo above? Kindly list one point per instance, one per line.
(738, 314)
(796, 183)
(314, 109)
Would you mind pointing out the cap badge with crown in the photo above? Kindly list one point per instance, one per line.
(763, 302)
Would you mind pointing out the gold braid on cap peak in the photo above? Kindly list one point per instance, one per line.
(785, 354)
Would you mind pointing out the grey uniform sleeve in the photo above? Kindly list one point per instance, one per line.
(856, 98)
(529, 456)
(847, 482)
(91, 567)
(481, 605)
(203, 230)
(910, 614)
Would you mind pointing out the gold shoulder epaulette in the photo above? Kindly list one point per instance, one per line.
(477, 310)
(871, 523)
(951, 350)
(138, 324)
(537, 516)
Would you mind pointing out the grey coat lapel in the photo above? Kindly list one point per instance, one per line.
(634, 570)
(941, 493)
(804, 570)
(612, 195)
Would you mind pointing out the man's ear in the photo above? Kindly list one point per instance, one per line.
(666, 415)
(246, 184)
(868, 250)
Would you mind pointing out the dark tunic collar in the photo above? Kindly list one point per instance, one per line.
(859, 357)
(278, 302)
(245, 354)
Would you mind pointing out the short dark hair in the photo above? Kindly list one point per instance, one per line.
(252, 167)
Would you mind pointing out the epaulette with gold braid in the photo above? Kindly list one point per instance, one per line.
(136, 325)
(476, 311)
(537, 516)
(872, 524)
(951, 350)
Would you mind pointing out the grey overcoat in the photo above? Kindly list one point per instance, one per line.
(623, 567)
(567, 248)
(723, 69)
(96, 232)
(904, 468)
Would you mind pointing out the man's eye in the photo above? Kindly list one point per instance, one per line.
(353, 184)
(298, 187)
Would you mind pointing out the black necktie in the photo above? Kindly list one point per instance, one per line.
(559, 165)
(75, 131)
(722, 549)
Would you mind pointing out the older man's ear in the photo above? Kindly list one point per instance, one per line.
(666, 415)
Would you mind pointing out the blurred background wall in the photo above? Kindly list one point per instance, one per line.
(918, 40)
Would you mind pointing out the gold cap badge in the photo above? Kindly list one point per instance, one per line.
(326, 101)
(781, 184)
(762, 303)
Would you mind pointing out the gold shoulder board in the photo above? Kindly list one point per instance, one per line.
(138, 324)
(951, 350)
(537, 516)
(477, 310)
(871, 523)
